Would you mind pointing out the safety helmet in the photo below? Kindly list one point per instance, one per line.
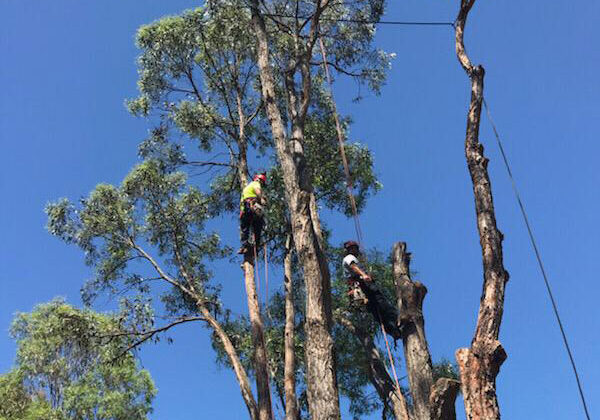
(261, 177)
(350, 244)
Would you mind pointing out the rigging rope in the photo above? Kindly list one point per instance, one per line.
(340, 136)
(349, 187)
(538, 256)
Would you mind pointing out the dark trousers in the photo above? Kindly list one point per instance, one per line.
(382, 310)
(249, 220)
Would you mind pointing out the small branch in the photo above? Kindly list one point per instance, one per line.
(158, 269)
(337, 68)
(206, 163)
(147, 335)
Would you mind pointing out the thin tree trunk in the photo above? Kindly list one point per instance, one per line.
(289, 375)
(479, 365)
(228, 347)
(410, 297)
(239, 370)
(321, 380)
(261, 367)
(378, 374)
(258, 339)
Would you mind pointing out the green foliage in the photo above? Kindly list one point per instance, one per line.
(445, 369)
(152, 206)
(198, 78)
(66, 370)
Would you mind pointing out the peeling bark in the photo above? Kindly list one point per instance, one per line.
(479, 365)
(321, 380)
(410, 297)
(289, 374)
(378, 374)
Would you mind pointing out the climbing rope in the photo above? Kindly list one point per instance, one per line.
(537, 256)
(349, 187)
(340, 135)
(389, 351)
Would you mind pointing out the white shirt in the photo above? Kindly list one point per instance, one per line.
(347, 262)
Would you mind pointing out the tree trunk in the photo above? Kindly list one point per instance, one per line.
(258, 339)
(289, 374)
(321, 380)
(410, 297)
(431, 401)
(378, 374)
(240, 373)
(442, 399)
(479, 365)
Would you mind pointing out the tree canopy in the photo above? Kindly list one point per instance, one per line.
(66, 369)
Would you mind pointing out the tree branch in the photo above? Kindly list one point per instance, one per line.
(146, 335)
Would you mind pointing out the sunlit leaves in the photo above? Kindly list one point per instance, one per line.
(65, 370)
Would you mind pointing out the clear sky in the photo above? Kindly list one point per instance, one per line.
(67, 67)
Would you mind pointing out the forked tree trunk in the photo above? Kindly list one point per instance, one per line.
(479, 365)
(321, 380)
(289, 369)
(431, 401)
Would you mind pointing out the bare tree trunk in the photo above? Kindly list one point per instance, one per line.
(378, 374)
(431, 401)
(442, 399)
(239, 370)
(479, 365)
(261, 367)
(258, 339)
(321, 380)
(410, 297)
(289, 374)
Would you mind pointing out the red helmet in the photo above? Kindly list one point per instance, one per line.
(350, 244)
(262, 178)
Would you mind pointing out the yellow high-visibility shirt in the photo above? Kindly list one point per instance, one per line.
(250, 191)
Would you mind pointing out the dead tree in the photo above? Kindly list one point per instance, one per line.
(430, 401)
(479, 365)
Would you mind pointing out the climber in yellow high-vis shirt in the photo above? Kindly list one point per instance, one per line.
(251, 212)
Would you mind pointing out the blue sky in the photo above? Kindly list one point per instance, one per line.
(67, 67)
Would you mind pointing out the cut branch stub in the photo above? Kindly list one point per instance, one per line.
(410, 297)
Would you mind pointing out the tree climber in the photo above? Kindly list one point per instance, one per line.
(252, 212)
(364, 291)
